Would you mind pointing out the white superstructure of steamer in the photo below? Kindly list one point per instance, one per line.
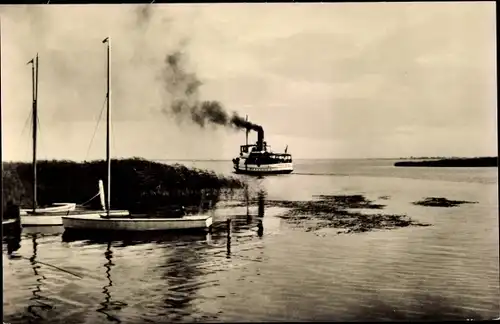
(259, 159)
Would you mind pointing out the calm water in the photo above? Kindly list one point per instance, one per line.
(268, 271)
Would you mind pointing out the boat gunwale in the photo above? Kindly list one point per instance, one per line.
(135, 219)
(62, 213)
(8, 221)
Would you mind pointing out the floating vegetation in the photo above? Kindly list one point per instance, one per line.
(441, 202)
(349, 201)
(332, 212)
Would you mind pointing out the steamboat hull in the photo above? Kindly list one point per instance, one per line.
(238, 171)
(264, 169)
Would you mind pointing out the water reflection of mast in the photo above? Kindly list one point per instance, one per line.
(107, 304)
(261, 200)
(247, 199)
(228, 238)
(36, 297)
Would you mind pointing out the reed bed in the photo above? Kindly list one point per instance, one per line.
(137, 184)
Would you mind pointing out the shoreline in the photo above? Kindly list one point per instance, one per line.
(478, 162)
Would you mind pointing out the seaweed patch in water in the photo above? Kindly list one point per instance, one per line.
(331, 212)
(441, 202)
(350, 201)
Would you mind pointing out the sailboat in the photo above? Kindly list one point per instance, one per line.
(121, 220)
(49, 215)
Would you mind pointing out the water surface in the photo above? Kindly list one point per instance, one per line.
(267, 270)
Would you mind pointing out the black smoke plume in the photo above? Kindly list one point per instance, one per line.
(182, 88)
(143, 14)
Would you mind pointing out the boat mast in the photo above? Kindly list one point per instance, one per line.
(108, 116)
(35, 134)
(34, 89)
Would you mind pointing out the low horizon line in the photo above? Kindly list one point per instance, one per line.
(229, 160)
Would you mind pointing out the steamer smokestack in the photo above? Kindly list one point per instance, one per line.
(260, 138)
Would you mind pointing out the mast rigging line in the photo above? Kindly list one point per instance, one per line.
(96, 195)
(39, 129)
(96, 127)
(28, 120)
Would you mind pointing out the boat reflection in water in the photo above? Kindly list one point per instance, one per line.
(228, 238)
(179, 279)
(233, 225)
(108, 304)
(186, 262)
(134, 238)
(13, 240)
(261, 209)
(246, 195)
(40, 302)
(261, 198)
(40, 307)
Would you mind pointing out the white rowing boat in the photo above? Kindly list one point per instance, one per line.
(53, 219)
(135, 223)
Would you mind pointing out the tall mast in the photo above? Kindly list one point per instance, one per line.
(34, 87)
(108, 117)
(36, 80)
(35, 134)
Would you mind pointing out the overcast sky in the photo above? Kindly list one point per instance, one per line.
(330, 80)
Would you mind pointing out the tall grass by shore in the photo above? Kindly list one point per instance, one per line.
(136, 184)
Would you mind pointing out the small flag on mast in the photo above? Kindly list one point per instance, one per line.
(30, 62)
(105, 40)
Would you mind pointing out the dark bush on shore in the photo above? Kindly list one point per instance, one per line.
(136, 184)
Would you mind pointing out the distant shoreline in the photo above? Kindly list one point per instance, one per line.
(228, 160)
(478, 162)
